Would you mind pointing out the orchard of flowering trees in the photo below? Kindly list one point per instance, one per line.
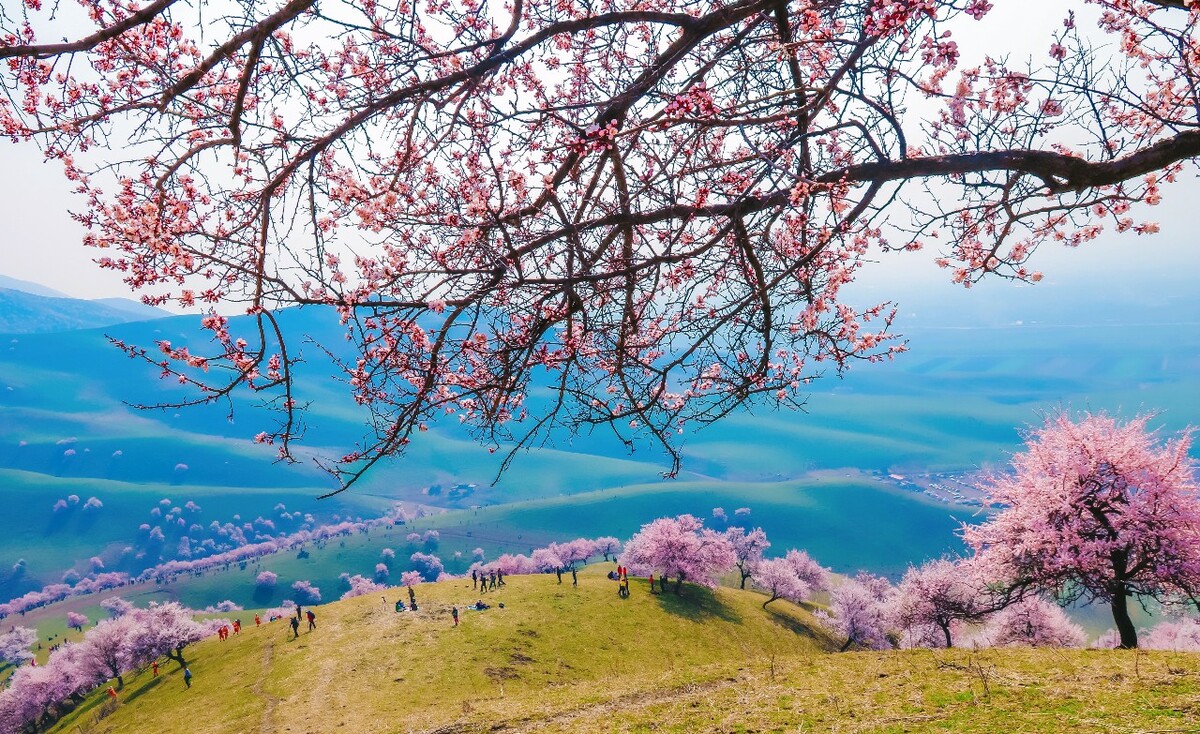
(650, 212)
(37, 695)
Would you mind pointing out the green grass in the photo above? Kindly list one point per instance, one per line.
(564, 659)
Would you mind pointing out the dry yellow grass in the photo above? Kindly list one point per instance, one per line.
(563, 659)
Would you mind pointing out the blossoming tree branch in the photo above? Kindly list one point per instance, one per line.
(646, 210)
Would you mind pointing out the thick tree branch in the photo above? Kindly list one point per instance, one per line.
(47, 50)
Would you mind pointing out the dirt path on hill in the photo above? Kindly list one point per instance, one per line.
(270, 701)
(589, 715)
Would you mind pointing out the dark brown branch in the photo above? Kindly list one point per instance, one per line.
(255, 33)
(45, 51)
(1061, 173)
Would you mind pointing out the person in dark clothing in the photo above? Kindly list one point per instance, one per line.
(574, 578)
(559, 572)
(412, 598)
(500, 577)
(312, 620)
(491, 579)
(454, 614)
(298, 614)
(474, 579)
(187, 676)
(295, 627)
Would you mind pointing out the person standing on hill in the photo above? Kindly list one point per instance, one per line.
(295, 627)
(491, 580)
(112, 693)
(412, 598)
(298, 614)
(154, 667)
(187, 676)
(237, 626)
(312, 620)
(257, 621)
(574, 577)
(651, 582)
(454, 614)
(474, 579)
(558, 571)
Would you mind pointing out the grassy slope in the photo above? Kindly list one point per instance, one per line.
(570, 660)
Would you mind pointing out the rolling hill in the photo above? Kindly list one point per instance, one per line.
(940, 414)
(564, 659)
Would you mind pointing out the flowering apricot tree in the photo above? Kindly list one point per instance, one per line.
(680, 548)
(935, 597)
(1096, 510)
(647, 211)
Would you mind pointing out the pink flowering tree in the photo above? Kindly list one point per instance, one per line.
(1177, 635)
(266, 579)
(807, 569)
(163, 629)
(547, 559)
(1096, 510)
(116, 606)
(110, 648)
(411, 578)
(934, 598)
(1034, 622)
(777, 577)
(15, 645)
(575, 552)
(748, 548)
(361, 586)
(426, 564)
(76, 621)
(652, 211)
(306, 593)
(858, 612)
(680, 548)
(608, 546)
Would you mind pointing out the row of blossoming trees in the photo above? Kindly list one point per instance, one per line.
(128, 641)
(1094, 511)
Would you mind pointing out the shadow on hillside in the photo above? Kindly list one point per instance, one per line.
(799, 627)
(695, 603)
(144, 688)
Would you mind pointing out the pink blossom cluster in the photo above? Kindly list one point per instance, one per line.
(360, 586)
(680, 548)
(111, 649)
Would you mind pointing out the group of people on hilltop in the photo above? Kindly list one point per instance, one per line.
(621, 575)
(295, 621)
(412, 601)
(484, 580)
(224, 630)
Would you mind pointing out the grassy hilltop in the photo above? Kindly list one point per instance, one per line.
(564, 659)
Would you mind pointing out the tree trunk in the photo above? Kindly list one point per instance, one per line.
(744, 577)
(849, 642)
(1120, 607)
(946, 632)
(768, 601)
(679, 584)
(177, 656)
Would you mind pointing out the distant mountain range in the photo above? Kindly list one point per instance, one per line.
(30, 308)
